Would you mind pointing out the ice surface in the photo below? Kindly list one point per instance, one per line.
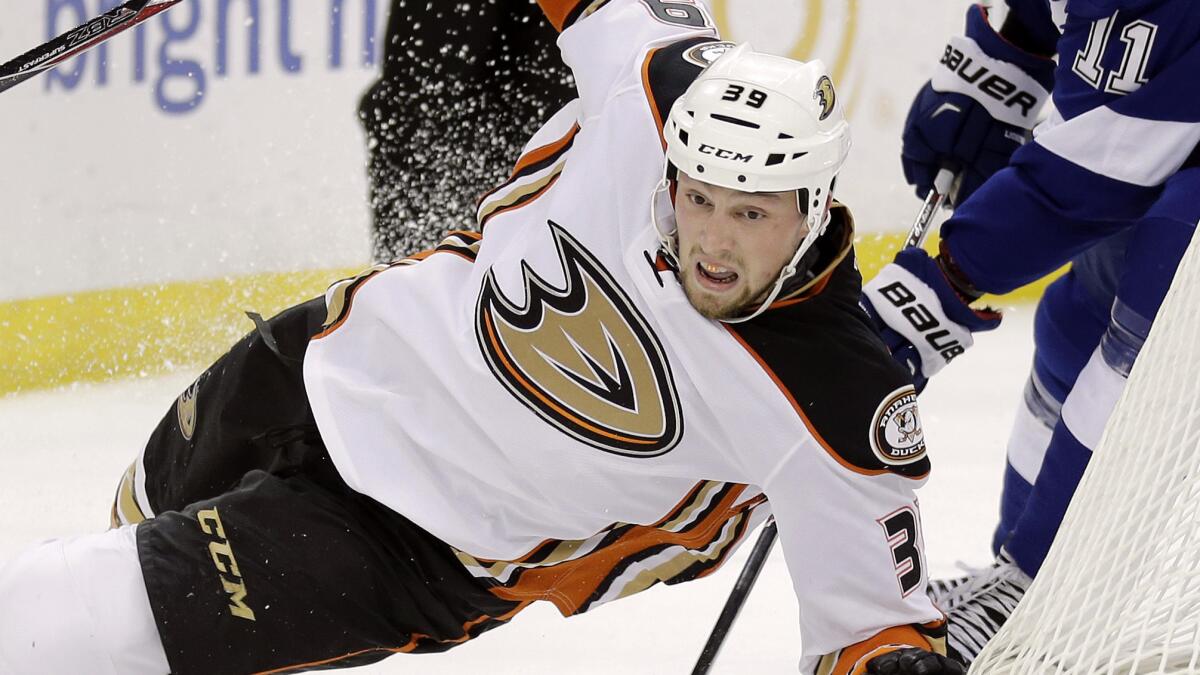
(62, 452)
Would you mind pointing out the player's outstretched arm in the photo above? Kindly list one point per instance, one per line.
(980, 106)
(605, 41)
(914, 662)
(921, 307)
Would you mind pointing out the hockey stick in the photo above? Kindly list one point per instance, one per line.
(737, 597)
(79, 40)
(943, 183)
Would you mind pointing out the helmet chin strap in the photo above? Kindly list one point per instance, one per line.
(668, 239)
(790, 269)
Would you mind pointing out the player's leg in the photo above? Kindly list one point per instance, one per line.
(281, 573)
(298, 570)
(1071, 317)
(1156, 245)
(234, 418)
(78, 606)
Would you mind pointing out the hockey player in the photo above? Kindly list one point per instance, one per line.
(658, 332)
(1108, 183)
(450, 72)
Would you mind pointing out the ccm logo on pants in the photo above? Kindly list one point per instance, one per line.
(222, 556)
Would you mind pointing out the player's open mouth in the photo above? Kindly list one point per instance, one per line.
(715, 275)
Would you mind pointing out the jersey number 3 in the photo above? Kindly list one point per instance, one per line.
(678, 13)
(902, 536)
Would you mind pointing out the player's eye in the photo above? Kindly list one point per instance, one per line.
(697, 199)
(755, 215)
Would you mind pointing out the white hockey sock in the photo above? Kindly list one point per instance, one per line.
(79, 605)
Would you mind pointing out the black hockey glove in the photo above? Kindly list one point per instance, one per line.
(914, 661)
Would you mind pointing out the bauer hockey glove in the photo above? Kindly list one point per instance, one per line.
(923, 318)
(979, 107)
(914, 661)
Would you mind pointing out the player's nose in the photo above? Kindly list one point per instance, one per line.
(718, 234)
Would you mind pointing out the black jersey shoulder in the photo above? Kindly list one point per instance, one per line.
(828, 358)
(670, 70)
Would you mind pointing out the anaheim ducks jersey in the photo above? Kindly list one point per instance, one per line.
(544, 399)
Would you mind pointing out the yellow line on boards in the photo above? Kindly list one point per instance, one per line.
(136, 332)
(876, 250)
(95, 336)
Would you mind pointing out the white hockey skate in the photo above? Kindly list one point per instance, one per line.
(978, 604)
(941, 591)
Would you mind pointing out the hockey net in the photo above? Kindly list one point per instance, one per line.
(1120, 589)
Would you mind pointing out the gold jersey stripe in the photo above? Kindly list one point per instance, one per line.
(125, 507)
(577, 584)
(683, 559)
(564, 550)
(697, 504)
(507, 200)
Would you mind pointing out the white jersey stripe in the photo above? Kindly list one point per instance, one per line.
(1092, 399)
(1128, 149)
(1027, 444)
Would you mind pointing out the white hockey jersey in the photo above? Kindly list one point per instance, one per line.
(544, 399)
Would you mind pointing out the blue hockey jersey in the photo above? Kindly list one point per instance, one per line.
(1126, 119)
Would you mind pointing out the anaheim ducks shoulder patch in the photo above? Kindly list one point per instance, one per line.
(582, 357)
(896, 434)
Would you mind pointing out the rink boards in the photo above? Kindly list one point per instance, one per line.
(211, 162)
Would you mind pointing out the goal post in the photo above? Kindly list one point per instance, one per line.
(1119, 592)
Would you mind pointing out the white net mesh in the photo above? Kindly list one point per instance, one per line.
(1120, 590)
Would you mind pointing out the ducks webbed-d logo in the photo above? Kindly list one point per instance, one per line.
(582, 357)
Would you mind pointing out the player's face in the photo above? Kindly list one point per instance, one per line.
(732, 244)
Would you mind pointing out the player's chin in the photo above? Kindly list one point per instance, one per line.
(718, 304)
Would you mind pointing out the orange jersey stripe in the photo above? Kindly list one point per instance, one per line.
(349, 305)
(369, 274)
(513, 207)
(569, 585)
(538, 154)
(532, 158)
(559, 11)
(853, 660)
(658, 120)
(691, 495)
(806, 294)
(671, 515)
(800, 411)
(407, 647)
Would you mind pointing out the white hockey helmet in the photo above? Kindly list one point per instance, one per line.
(759, 123)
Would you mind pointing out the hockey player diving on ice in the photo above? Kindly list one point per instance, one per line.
(654, 343)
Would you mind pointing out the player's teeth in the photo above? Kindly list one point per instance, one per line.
(713, 269)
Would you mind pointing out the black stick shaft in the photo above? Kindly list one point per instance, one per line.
(75, 42)
(737, 597)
